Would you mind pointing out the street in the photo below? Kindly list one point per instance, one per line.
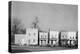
(35, 48)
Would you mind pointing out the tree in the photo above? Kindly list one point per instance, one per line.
(16, 28)
(35, 23)
(14, 25)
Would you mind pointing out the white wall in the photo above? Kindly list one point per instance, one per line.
(72, 34)
(54, 34)
(20, 39)
(64, 35)
(43, 34)
(30, 35)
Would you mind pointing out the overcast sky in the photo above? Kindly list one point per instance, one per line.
(54, 16)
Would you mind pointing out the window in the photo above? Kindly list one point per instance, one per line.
(63, 36)
(55, 35)
(34, 34)
(51, 41)
(29, 41)
(41, 41)
(45, 41)
(45, 36)
(73, 37)
(52, 35)
(33, 40)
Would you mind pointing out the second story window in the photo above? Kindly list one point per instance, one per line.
(45, 36)
(34, 34)
(33, 40)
